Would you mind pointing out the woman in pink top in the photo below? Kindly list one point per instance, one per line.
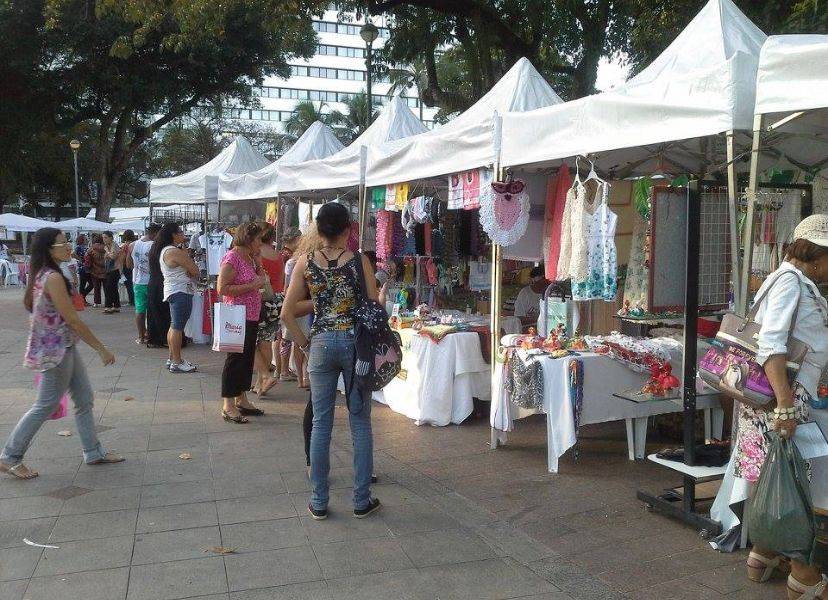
(52, 351)
(240, 281)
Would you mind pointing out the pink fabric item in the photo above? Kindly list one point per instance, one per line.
(471, 189)
(245, 273)
(353, 238)
(555, 203)
(63, 408)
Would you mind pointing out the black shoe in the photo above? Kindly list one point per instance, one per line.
(373, 506)
(317, 515)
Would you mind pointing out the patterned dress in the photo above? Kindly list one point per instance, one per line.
(49, 335)
(601, 280)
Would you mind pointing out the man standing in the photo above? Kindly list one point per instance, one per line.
(527, 303)
(137, 257)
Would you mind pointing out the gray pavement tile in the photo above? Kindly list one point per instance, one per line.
(13, 590)
(415, 517)
(265, 484)
(179, 516)
(271, 568)
(191, 441)
(85, 555)
(32, 507)
(103, 501)
(341, 526)
(13, 532)
(176, 470)
(90, 585)
(399, 585)
(255, 508)
(44, 485)
(95, 525)
(343, 559)
(180, 579)
(180, 544)
(167, 494)
(264, 535)
(126, 474)
(18, 563)
(314, 590)
(485, 580)
(430, 548)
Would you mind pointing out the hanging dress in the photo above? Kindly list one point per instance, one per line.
(601, 281)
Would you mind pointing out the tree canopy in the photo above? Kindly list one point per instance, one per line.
(130, 67)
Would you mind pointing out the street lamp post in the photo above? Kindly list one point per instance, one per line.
(369, 34)
(75, 146)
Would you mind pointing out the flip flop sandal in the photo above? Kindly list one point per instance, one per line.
(108, 459)
(268, 387)
(19, 470)
(254, 412)
(800, 591)
(234, 418)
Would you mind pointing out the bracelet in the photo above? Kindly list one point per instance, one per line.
(784, 414)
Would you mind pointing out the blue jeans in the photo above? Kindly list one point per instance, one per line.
(70, 375)
(332, 354)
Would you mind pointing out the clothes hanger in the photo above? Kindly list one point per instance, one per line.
(592, 175)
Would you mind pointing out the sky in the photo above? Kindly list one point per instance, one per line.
(611, 73)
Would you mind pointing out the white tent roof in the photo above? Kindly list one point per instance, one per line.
(465, 142)
(130, 213)
(701, 85)
(84, 224)
(793, 74)
(22, 223)
(201, 185)
(346, 168)
(317, 142)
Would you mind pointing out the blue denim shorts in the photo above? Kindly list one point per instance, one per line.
(181, 305)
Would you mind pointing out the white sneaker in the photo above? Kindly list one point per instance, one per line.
(169, 363)
(183, 367)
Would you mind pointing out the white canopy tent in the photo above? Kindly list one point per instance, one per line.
(346, 168)
(318, 142)
(703, 84)
(791, 120)
(200, 186)
(22, 223)
(465, 142)
(84, 224)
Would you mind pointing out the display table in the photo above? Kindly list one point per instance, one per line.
(602, 377)
(194, 329)
(439, 380)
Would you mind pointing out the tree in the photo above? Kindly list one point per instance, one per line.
(354, 120)
(406, 77)
(130, 67)
(305, 114)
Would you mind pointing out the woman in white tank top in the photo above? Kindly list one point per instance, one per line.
(179, 272)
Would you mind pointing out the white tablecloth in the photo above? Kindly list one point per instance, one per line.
(441, 380)
(602, 377)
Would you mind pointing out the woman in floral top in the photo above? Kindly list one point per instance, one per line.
(52, 351)
(329, 276)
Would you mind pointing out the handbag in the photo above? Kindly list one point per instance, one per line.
(229, 325)
(63, 406)
(78, 302)
(267, 291)
(730, 364)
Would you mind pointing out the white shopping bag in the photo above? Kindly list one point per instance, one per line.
(228, 327)
(561, 312)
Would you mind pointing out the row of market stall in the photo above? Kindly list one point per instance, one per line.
(651, 170)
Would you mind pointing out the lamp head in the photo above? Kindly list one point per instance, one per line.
(369, 32)
(74, 145)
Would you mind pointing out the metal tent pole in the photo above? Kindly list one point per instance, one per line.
(747, 235)
(732, 201)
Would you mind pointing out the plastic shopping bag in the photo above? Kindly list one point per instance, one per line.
(63, 408)
(558, 312)
(228, 327)
(780, 515)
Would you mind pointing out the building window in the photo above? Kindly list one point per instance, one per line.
(345, 28)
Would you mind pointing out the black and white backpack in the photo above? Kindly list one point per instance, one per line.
(377, 347)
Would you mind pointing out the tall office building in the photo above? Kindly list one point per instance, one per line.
(336, 71)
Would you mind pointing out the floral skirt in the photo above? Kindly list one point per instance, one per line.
(754, 423)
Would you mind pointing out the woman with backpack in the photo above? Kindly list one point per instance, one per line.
(330, 275)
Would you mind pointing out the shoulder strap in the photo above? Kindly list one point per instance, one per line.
(755, 308)
(360, 269)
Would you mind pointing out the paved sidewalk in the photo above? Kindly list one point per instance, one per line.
(459, 521)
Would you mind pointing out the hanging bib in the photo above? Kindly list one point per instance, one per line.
(506, 216)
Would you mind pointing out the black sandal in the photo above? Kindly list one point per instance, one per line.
(253, 412)
(234, 418)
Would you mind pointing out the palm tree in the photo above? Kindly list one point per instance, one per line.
(354, 121)
(405, 78)
(306, 114)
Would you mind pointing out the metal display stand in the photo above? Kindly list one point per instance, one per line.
(683, 506)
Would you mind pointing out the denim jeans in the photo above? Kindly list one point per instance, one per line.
(332, 354)
(69, 375)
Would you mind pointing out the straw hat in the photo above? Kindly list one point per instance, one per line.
(814, 229)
